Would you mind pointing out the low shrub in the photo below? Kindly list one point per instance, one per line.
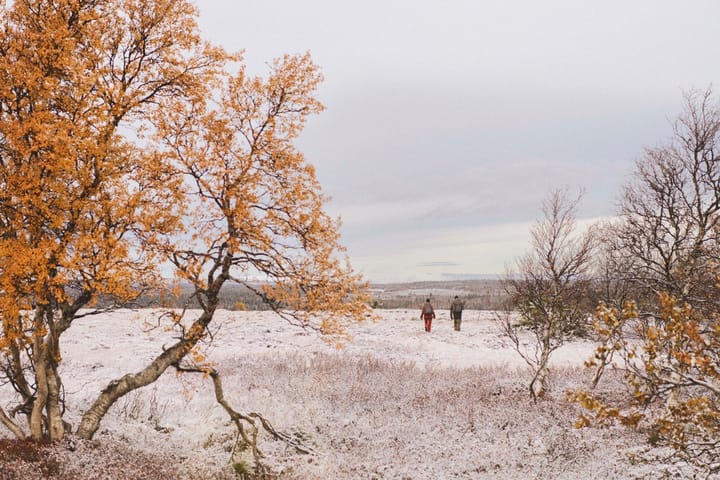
(18, 456)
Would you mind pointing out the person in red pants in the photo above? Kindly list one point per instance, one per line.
(427, 314)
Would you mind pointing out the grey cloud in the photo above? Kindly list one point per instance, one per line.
(437, 264)
(465, 113)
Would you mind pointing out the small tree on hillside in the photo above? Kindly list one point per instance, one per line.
(549, 287)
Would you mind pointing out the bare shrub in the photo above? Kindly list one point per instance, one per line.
(549, 287)
(144, 406)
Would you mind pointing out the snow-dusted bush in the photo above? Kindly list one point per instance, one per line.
(375, 419)
(396, 403)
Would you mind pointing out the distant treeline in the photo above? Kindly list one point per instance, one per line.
(477, 295)
(232, 297)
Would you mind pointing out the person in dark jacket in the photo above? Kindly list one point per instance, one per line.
(427, 314)
(456, 309)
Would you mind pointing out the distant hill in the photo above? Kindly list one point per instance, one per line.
(478, 294)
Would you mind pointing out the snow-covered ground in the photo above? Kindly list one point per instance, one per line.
(394, 403)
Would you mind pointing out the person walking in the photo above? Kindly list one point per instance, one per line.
(456, 309)
(427, 314)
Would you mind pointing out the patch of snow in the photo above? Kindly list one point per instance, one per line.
(395, 402)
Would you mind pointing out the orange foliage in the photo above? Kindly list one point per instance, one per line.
(255, 207)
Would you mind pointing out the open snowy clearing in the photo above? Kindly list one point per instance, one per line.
(394, 403)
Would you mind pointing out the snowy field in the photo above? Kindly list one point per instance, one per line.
(394, 403)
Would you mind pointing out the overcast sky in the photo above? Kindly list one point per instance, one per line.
(448, 122)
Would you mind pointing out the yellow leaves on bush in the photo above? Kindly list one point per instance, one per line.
(672, 372)
(632, 419)
(582, 422)
(603, 414)
(585, 399)
(651, 333)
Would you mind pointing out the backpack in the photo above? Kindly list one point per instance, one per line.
(456, 306)
(427, 309)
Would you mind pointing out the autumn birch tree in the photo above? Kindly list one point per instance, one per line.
(99, 184)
